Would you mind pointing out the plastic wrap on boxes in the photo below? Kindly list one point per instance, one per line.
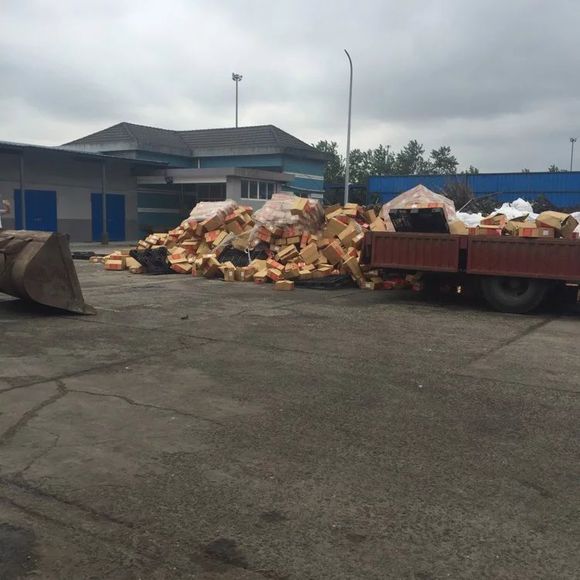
(207, 209)
(418, 197)
(281, 212)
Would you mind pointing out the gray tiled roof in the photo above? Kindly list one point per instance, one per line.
(188, 142)
(258, 136)
(140, 136)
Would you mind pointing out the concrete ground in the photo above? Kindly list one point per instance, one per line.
(199, 429)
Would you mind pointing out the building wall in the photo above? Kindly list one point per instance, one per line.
(309, 174)
(73, 180)
(562, 189)
(269, 162)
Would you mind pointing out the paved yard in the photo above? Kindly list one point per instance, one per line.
(198, 429)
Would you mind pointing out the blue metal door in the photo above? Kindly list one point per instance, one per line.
(115, 216)
(40, 210)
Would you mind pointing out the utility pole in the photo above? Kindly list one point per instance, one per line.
(347, 161)
(572, 141)
(236, 78)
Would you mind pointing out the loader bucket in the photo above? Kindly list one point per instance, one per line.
(38, 267)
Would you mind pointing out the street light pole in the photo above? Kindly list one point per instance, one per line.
(236, 78)
(347, 161)
(572, 141)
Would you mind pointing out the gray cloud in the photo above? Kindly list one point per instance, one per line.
(496, 80)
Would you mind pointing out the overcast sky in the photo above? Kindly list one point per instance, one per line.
(497, 80)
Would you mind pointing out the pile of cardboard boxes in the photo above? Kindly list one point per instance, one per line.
(548, 224)
(301, 240)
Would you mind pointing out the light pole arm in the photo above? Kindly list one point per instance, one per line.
(347, 160)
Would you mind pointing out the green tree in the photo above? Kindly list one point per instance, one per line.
(554, 169)
(442, 162)
(335, 166)
(359, 169)
(525, 170)
(410, 161)
(381, 161)
(471, 170)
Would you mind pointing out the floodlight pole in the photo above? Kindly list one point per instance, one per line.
(347, 160)
(572, 141)
(236, 78)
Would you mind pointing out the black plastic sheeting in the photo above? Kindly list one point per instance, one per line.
(154, 261)
(327, 283)
(80, 255)
(424, 220)
(240, 258)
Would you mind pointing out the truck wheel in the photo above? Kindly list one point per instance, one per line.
(514, 295)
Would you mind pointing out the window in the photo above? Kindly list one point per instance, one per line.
(257, 189)
(253, 190)
(263, 190)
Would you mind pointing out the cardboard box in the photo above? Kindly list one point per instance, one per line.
(234, 227)
(563, 223)
(284, 285)
(299, 206)
(378, 226)
(212, 223)
(182, 268)
(274, 274)
(513, 226)
(458, 228)
(334, 253)
(271, 263)
(305, 274)
(370, 215)
(131, 263)
(334, 227)
(485, 231)
(531, 232)
(348, 234)
(494, 219)
(354, 268)
(115, 264)
(309, 254)
(291, 271)
(287, 253)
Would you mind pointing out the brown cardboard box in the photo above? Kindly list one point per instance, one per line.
(261, 276)
(563, 223)
(299, 206)
(234, 227)
(331, 208)
(131, 263)
(354, 267)
(370, 215)
(287, 253)
(114, 264)
(291, 271)
(378, 226)
(309, 254)
(182, 267)
(485, 231)
(494, 219)
(274, 274)
(212, 223)
(348, 234)
(532, 232)
(334, 252)
(305, 275)
(334, 227)
(284, 285)
(458, 228)
(513, 226)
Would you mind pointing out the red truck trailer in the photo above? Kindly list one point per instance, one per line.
(514, 274)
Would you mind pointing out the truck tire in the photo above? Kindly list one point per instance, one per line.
(513, 295)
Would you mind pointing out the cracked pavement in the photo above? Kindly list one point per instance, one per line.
(198, 429)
